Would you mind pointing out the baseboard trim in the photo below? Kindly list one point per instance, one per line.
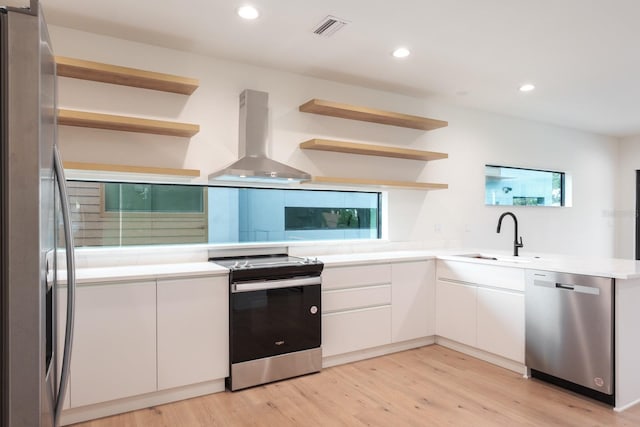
(99, 410)
(341, 359)
(509, 364)
(627, 406)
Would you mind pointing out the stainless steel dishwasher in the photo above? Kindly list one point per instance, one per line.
(569, 332)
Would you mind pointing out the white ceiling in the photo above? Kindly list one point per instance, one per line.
(582, 55)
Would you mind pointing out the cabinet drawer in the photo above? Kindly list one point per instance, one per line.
(348, 299)
(353, 276)
(354, 330)
(487, 275)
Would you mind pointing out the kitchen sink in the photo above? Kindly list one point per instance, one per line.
(495, 257)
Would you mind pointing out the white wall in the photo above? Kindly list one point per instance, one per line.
(625, 212)
(451, 217)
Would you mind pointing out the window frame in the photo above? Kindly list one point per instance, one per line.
(563, 187)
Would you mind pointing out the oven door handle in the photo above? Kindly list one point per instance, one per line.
(274, 284)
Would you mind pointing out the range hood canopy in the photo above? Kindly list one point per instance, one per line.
(254, 165)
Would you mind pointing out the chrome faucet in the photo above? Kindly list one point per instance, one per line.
(516, 244)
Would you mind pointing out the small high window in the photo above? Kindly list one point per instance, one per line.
(509, 186)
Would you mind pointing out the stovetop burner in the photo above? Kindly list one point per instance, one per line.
(268, 267)
(262, 261)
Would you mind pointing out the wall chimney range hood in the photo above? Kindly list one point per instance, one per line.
(254, 165)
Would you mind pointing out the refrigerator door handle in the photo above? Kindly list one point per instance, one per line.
(71, 282)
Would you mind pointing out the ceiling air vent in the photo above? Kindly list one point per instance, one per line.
(329, 25)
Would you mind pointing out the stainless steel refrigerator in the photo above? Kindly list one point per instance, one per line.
(34, 220)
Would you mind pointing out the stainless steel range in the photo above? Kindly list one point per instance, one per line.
(274, 317)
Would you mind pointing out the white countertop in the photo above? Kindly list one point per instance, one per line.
(144, 272)
(592, 266)
(376, 257)
(606, 267)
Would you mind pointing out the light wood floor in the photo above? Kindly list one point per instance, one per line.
(429, 386)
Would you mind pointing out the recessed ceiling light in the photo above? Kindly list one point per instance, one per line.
(401, 52)
(248, 12)
(527, 87)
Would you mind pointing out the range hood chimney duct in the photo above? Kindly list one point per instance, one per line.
(254, 165)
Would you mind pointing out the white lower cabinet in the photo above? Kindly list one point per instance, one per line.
(193, 331)
(413, 300)
(141, 337)
(114, 351)
(367, 306)
(489, 314)
(501, 323)
(456, 312)
(356, 308)
(346, 331)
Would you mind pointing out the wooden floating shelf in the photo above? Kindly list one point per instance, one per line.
(125, 123)
(352, 112)
(370, 150)
(377, 183)
(106, 73)
(191, 173)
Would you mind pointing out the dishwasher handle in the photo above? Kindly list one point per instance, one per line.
(591, 290)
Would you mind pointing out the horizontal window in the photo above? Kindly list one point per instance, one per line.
(299, 218)
(120, 214)
(508, 186)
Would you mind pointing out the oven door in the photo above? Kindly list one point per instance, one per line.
(268, 318)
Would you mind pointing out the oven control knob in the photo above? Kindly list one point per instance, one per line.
(236, 265)
(313, 309)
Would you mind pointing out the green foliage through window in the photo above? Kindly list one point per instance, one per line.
(304, 218)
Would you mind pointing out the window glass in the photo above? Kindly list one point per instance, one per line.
(268, 215)
(508, 186)
(299, 218)
(119, 214)
(120, 197)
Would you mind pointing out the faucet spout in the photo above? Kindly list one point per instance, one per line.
(516, 243)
